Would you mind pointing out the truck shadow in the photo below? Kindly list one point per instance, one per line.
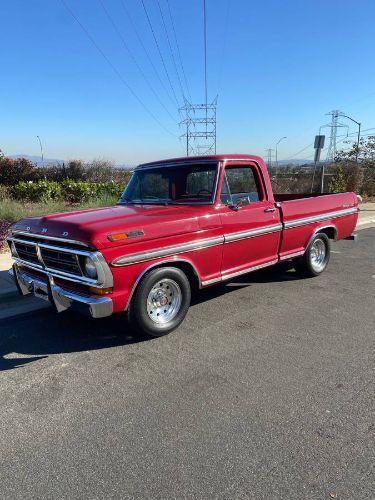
(29, 338)
(275, 274)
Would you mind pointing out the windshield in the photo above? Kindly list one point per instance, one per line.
(178, 184)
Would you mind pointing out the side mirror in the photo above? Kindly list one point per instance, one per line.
(239, 203)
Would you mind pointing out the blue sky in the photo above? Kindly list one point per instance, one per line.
(277, 66)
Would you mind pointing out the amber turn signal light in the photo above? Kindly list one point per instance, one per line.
(117, 237)
(100, 291)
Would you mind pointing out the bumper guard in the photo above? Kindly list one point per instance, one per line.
(59, 298)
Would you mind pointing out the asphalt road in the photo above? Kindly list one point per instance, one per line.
(266, 391)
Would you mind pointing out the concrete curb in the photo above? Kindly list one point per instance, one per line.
(366, 223)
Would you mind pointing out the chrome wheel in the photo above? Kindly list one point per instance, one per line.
(318, 255)
(164, 301)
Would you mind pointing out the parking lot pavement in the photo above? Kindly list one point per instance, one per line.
(266, 391)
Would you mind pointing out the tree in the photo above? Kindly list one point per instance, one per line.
(14, 171)
(338, 182)
(360, 174)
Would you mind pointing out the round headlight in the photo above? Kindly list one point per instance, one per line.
(90, 268)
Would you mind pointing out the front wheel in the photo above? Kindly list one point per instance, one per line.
(161, 301)
(316, 258)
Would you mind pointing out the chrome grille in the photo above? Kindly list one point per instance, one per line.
(27, 252)
(63, 261)
(59, 258)
(49, 257)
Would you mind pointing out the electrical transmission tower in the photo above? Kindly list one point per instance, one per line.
(334, 125)
(200, 128)
(200, 119)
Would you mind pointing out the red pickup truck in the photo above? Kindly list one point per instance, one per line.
(180, 224)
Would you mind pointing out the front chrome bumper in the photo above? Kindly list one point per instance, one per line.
(59, 298)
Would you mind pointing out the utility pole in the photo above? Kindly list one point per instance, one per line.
(318, 146)
(278, 142)
(359, 131)
(276, 160)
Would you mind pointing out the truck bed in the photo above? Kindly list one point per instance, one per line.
(336, 213)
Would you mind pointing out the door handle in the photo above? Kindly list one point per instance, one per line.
(270, 209)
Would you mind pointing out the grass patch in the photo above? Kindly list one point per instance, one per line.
(12, 211)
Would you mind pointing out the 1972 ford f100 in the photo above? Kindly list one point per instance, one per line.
(180, 224)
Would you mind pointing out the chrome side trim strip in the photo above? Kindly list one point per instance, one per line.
(225, 277)
(317, 218)
(135, 258)
(211, 281)
(251, 234)
(292, 255)
(51, 238)
(250, 269)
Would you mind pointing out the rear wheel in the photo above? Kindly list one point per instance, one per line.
(315, 259)
(161, 301)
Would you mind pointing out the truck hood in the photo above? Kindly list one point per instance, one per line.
(93, 227)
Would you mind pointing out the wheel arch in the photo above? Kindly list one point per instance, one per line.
(183, 264)
(330, 231)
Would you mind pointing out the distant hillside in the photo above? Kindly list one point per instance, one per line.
(36, 159)
(294, 162)
(53, 161)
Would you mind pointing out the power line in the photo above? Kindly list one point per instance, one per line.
(170, 49)
(115, 70)
(178, 49)
(301, 151)
(224, 46)
(159, 51)
(355, 133)
(345, 136)
(146, 51)
(205, 48)
(110, 19)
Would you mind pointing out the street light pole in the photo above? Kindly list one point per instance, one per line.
(359, 132)
(276, 161)
(41, 148)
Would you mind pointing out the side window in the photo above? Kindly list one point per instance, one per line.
(240, 183)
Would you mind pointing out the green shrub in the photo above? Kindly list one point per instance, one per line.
(110, 189)
(41, 191)
(4, 192)
(68, 191)
(338, 182)
(78, 191)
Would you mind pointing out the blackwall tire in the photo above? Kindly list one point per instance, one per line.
(316, 258)
(160, 302)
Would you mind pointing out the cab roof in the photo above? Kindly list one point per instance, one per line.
(191, 159)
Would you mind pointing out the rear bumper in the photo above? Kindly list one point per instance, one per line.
(352, 237)
(60, 298)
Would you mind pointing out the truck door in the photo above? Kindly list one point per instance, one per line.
(251, 224)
